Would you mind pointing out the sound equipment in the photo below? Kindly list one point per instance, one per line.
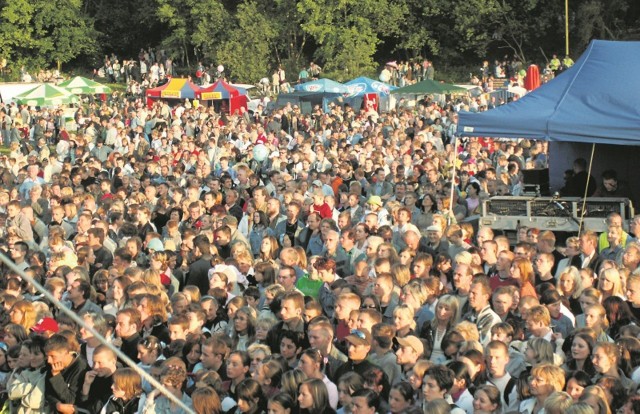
(553, 213)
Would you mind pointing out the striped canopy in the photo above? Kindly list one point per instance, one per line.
(46, 95)
(83, 86)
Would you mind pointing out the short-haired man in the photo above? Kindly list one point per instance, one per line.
(96, 389)
(480, 312)
(497, 359)
(321, 336)
(127, 327)
(381, 354)
(588, 257)
(78, 293)
(292, 308)
(65, 374)
(502, 271)
(345, 304)
(214, 353)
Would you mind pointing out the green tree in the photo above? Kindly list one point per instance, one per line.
(248, 51)
(64, 31)
(38, 33)
(348, 32)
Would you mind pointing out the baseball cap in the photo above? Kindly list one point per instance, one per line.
(412, 342)
(359, 337)
(317, 182)
(376, 200)
(156, 245)
(46, 324)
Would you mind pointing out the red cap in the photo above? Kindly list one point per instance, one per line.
(46, 324)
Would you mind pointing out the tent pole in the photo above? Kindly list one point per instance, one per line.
(453, 179)
(586, 190)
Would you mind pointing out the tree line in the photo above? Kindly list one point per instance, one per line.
(347, 37)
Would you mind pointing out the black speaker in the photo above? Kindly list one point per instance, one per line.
(536, 182)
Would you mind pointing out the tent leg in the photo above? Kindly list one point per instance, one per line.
(586, 190)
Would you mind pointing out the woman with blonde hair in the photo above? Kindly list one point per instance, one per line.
(569, 285)
(610, 283)
(545, 380)
(23, 313)
(446, 318)
(403, 320)
(594, 397)
(595, 317)
(415, 294)
(401, 274)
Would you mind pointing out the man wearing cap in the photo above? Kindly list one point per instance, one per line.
(236, 236)
(435, 244)
(374, 205)
(410, 350)
(46, 327)
(359, 341)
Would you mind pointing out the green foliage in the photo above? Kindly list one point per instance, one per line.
(247, 50)
(348, 32)
(39, 33)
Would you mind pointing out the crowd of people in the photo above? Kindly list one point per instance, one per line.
(339, 272)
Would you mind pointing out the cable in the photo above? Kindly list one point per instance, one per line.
(97, 335)
(586, 191)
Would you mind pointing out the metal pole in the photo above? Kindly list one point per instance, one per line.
(586, 190)
(77, 319)
(566, 26)
(453, 179)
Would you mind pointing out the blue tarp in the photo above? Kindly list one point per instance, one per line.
(322, 85)
(594, 101)
(363, 85)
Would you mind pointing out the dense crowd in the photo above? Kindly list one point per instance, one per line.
(340, 271)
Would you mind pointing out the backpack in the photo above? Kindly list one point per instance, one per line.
(509, 388)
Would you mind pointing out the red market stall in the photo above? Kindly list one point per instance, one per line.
(224, 97)
(176, 88)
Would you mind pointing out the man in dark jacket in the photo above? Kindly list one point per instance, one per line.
(199, 270)
(96, 389)
(65, 375)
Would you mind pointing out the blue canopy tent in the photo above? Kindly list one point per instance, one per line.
(363, 90)
(593, 102)
(322, 85)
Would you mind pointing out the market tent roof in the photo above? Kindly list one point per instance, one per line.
(176, 88)
(220, 90)
(322, 85)
(46, 95)
(363, 85)
(81, 85)
(429, 87)
(594, 101)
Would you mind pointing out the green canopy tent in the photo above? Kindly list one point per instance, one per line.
(429, 87)
(46, 95)
(83, 86)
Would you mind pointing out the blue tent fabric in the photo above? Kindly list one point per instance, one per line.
(363, 85)
(594, 101)
(322, 85)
